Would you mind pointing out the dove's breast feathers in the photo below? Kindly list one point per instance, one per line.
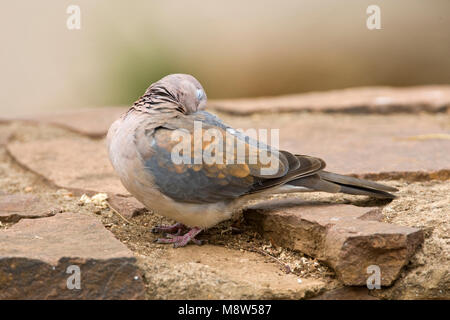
(126, 151)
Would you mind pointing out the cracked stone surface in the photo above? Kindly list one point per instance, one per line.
(129, 207)
(401, 148)
(14, 207)
(211, 272)
(340, 236)
(69, 163)
(35, 256)
(367, 146)
(93, 122)
(353, 100)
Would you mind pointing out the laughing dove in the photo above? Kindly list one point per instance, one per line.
(144, 149)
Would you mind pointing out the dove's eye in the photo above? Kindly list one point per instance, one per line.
(200, 94)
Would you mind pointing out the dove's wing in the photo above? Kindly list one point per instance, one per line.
(229, 175)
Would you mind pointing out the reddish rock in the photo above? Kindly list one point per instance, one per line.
(371, 146)
(129, 207)
(35, 256)
(375, 146)
(343, 236)
(14, 207)
(216, 272)
(93, 122)
(353, 100)
(347, 144)
(352, 246)
(69, 163)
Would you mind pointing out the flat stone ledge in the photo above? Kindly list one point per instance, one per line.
(14, 207)
(401, 146)
(92, 122)
(84, 165)
(343, 236)
(215, 272)
(129, 207)
(35, 256)
(353, 100)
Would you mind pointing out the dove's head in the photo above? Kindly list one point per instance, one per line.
(183, 90)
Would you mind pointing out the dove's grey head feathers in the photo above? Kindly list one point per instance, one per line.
(175, 92)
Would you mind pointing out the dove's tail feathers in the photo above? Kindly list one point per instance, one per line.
(334, 183)
(355, 182)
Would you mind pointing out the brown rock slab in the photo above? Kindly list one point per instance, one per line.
(92, 122)
(372, 146)
(129, 207)
(69, 163)
(35, 256)
(353, 100)
(14, 207)
(340, 235)
(352, 246)
(214, 272)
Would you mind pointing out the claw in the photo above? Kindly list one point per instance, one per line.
(181, 241)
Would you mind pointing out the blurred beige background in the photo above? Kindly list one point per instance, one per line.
(235, 48)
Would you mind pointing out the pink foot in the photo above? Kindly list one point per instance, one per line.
(181, 241)
(175, 228)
